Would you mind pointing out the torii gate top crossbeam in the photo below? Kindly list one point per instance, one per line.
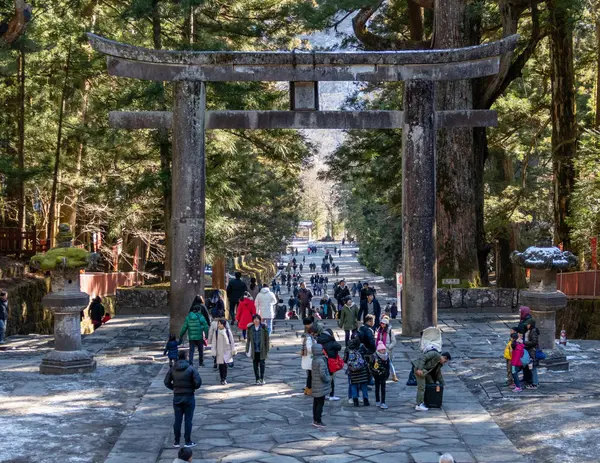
(448, 64)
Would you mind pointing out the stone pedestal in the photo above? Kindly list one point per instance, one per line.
(66, 301)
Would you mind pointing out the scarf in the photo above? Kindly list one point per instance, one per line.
(383, 356)
(381, 336)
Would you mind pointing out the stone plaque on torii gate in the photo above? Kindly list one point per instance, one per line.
(419, 121)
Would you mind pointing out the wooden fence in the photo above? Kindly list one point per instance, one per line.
(15, 241)
(106, 284)
(579, 285)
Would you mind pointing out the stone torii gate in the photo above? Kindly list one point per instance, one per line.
(190, 70)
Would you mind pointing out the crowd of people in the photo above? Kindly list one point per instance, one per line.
(523, 353)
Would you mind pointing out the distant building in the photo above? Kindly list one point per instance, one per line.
(305, 229)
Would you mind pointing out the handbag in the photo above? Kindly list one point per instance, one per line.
(334, 364)
(539, 354)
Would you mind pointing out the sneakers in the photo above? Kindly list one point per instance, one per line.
(531, 386)
(262, 382)
(512, 386)
(224, 382)
(190, 444)
(176, 444)
(350, 401)
(319, 425)
(333, 398)
(377, 404)
(384, 407)
(517, 389)
(421, 408)
(258, 382)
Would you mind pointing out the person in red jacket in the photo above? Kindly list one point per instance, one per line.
(245, 311)
(515, 361)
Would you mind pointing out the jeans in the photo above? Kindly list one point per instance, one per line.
(256, 363)
(200, 346)
(380, 389)
(183, 405)
(515, 375)
(269, 322)
(360, 387)
(223, 371)
(318, 403)
(534, 373)
(2, 330)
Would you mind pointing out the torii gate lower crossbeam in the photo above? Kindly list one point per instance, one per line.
(419, 121)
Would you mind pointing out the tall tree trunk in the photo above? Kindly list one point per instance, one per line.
(163, 143)
(564, 128)
(456, 202)
(52, 214)
(21, 145)
(597, 122)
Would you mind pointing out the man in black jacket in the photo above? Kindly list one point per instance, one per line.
(304, 299)
(340, 294)
(367, 335)
(235, 291)
(183, 380)
(370, 306)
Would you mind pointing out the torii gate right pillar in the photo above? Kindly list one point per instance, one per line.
(419, 293)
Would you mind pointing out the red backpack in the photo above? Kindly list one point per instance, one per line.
(334, 364)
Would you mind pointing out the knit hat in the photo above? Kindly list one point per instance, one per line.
(380, 346)
(385, 320)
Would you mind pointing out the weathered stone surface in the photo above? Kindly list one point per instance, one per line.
(456, 298)
(444, 300)
(141, 301)
(505, 297)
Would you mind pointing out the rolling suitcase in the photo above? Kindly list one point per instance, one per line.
(433, 399)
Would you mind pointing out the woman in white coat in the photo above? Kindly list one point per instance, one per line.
(265, 302)
(223, 348)
(306, 353)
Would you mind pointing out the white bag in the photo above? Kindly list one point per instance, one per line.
(307, 359)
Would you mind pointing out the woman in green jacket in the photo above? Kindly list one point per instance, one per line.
(197, 329)
(257, 347)
(349, 318)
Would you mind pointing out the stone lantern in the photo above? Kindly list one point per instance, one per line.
(545, 260)
(66, 301)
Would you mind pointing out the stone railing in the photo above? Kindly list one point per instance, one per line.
(478, 300)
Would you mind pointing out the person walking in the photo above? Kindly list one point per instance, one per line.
(235, 292)
(348, 318)
(223, 348)
(198, 306)
(265, 306)
(183, 380)
(197, 330)
(255, 289)
(332, 348)
(216, 304)
(306, 353)
(341, 293)
(245, 311)
(380, 369)
(97, 312)
(385, 335)
(3, 314)
(357, 371)
(305, 299)
(370, 306)
(321, 384)
(257, 347)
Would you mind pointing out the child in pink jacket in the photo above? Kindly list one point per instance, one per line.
(515, 361)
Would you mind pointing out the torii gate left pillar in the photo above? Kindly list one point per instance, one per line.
(189, 198)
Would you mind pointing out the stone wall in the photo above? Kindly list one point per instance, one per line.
(478, 300)
(25, 311)
(581, 319)
(140, 300)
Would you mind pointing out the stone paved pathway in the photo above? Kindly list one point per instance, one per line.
(75, 418)
(243, 422)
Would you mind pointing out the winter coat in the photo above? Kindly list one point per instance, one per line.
(341, 293)
(254, 291)
(364, 292)
(361, 375)
(429, 364)
(202, 310)
(331, 346)
(305, 297)
(196, 327)
(265, 303)
(531, 342)
(4, 310)
(348, 318)
(390, 339)
(508, 350)
(223, 346)
(525, 315)
(306, 352)
(97, 311)
(236, 289)
(182, 378)
(172, 348)
(217, 309)
(321, 378)
(517, 353)
(245, 310)
(380, 367)
(364, 310)
(263, 332)
(365, 334)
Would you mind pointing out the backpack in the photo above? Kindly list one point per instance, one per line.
(334, 363)
(356, 362)
(525, 359)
